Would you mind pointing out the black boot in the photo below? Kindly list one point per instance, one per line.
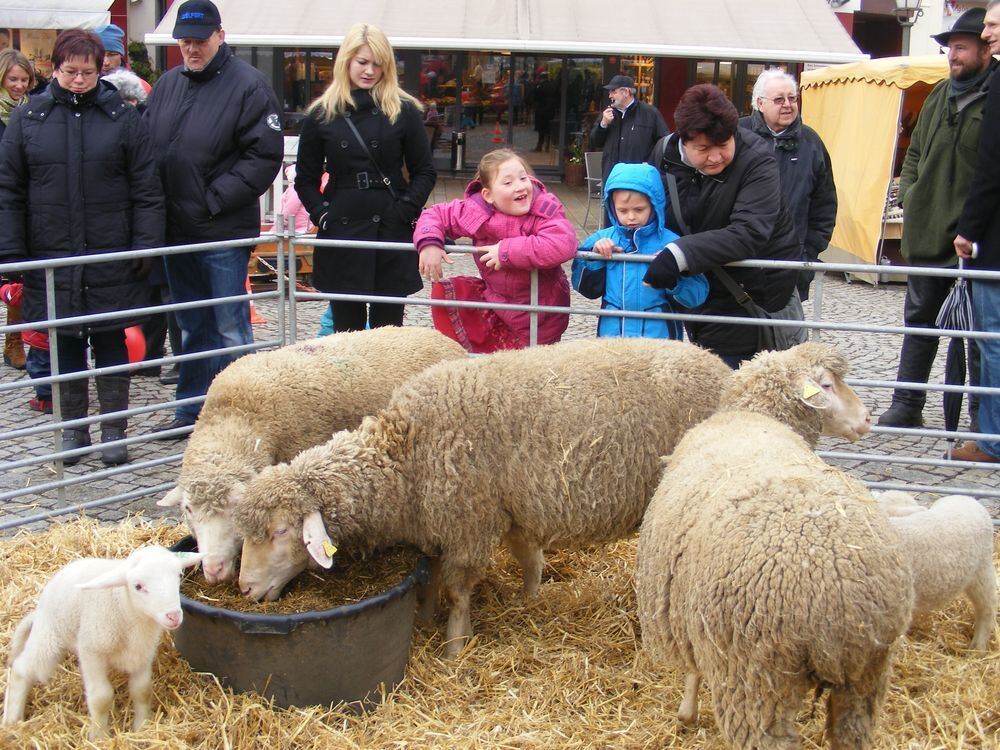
(74, 399)
(112, 392)
(915, 361)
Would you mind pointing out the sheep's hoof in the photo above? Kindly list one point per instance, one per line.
(687, 716)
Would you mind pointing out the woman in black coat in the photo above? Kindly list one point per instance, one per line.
(730, 198)
(77, 178)
(357, 204)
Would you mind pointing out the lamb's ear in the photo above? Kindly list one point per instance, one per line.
(812, 395)
(189, 559)
(172, 498)
(107, 580)
(317, 541)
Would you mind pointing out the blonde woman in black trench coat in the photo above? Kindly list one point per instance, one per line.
(356, 203)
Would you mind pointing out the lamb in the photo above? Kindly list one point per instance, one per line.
(950, 550)
(768, 572)
(111, 614)
(268, 407)
(555, 445)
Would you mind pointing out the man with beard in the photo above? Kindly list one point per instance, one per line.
(937, 174)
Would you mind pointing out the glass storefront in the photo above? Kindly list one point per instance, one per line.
(542, 105)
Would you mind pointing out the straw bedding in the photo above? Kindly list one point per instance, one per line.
(564, 671)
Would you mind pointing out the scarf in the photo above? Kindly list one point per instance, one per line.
(8, 105)
(958, 88)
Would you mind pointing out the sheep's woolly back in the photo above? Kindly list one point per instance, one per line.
(948, 545)
(771, 384)
(267, 407)
(563, 442)
(757, 559)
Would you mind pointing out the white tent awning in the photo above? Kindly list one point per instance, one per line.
(55, 14)
(763, 30)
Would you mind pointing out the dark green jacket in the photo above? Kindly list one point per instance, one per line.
(937, 174)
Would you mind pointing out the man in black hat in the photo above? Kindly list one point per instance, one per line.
(979, 223)
(216, 130)
(628, 129)
(937, 173)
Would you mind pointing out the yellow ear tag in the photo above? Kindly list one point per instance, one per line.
(329, 549)
(809, 390)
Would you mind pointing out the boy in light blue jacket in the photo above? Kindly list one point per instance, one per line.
(636, 204)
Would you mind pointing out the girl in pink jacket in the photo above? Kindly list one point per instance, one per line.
(518, 226)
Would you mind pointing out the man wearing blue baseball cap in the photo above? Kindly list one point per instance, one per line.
(216, 129)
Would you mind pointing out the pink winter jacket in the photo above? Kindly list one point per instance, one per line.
(543, 239)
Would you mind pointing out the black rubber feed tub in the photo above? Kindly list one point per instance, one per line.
(311, 658)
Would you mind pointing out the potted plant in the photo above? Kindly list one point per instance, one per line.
(574, 171)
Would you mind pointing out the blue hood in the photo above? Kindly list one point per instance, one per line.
(641, 178)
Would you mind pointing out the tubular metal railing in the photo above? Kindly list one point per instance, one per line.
(19, 451)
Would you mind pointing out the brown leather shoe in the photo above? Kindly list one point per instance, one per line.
(969, 451)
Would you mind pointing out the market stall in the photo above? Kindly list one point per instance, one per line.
(864, 112)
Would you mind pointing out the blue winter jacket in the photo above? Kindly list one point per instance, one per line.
(620, 284)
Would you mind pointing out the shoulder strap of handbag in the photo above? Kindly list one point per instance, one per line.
(361, 142)
(742, 297)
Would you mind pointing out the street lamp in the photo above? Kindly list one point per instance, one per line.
(907, 12)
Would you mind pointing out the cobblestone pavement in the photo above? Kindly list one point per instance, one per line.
(872, 356)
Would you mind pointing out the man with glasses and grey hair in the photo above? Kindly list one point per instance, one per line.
(803, 164)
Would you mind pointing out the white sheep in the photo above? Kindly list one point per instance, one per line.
(267, 407)
(766, 571)
(550, 446)
(949, 546)
(111, 614)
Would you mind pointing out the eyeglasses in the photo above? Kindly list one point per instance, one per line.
(779, 101)
(74, 74)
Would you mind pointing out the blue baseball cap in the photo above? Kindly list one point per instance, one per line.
(197, 19)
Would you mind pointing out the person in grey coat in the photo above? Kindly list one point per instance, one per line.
(803, 164)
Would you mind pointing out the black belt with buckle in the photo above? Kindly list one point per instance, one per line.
(363, 181)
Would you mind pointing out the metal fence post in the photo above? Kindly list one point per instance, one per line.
(50, 313)
(281, 221)
(533, 324)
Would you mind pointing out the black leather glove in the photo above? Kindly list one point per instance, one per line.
(663, 272)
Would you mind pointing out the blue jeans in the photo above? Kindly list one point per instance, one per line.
(38, 365)
(199, 276)
(986, 316)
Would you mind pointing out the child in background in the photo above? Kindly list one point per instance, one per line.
(636, 205)
(292, 208)
(37, 361)
(521, 226)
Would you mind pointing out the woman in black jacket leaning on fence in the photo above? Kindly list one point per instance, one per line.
(357, 202)
(77, 178)
(730, 199)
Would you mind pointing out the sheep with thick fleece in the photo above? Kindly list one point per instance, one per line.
(950, 549)
(550, 446)
(766, 571)
(268, 407)
(111, 614)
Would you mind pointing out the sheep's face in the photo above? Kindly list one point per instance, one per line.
(268, 564)
(213, 527)
(842, 412)
(151, 577)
